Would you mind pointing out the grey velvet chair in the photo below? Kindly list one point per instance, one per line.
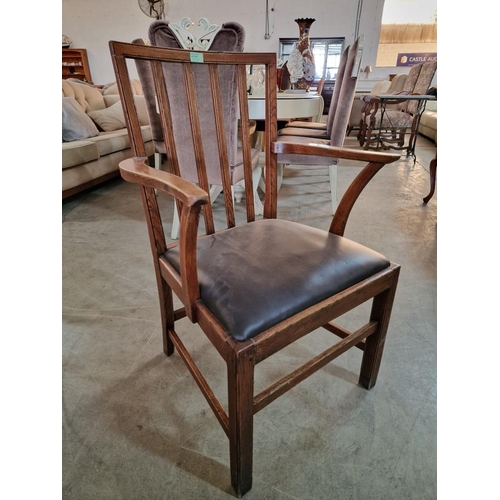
(337, 132)
(230, 38)
(320, 130)
(256, 285)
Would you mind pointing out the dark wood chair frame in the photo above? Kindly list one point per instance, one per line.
(242, 357)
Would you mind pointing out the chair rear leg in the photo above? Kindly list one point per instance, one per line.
(167, 315)
(374, 347)
(362, 132)
(240, 394)
(368, 137)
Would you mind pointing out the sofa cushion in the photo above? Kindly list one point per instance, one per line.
(75, 92)
(109, 142)
(86, 172)
(88, 96)
(78, 152)
(111, 99)
(76, 124)
(113, 88)
(381, 87)
(112, 118)
(431, 106)
(397, 83)
(428, 119)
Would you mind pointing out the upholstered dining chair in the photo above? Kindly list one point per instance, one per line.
(258, 284)
(337, 132)
(381, 87)
(320, 86)
(320, 130)
(408, 86)
(389, 127)
(230, 37)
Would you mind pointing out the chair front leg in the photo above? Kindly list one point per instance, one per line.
(240, 394)
(374, 347)
(368, 138)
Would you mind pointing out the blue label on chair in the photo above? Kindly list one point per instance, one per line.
(196, 57)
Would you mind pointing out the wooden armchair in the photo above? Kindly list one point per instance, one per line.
(255, 286)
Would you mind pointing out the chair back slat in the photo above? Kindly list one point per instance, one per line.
(165, 118)
(245, 144)
(222, 145)
(129, 109)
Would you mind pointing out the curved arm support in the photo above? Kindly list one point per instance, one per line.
(350, 197)
(138, 171)
(376, 160)
(192, 198)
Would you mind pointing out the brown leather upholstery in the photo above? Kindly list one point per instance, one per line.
(318, 265)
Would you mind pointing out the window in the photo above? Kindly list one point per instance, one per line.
(327, 52)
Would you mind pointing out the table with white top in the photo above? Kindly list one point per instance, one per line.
(289, 106)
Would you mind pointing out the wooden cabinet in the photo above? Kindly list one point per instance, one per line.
(75, 65)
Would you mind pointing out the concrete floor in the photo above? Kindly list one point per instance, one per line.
(135, 425)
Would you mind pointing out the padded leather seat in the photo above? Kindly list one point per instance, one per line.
(310, 273)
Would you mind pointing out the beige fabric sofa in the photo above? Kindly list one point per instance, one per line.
(102, 140)
(428, 121)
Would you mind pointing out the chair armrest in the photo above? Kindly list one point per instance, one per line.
(138, 171)
(376, 160)
(324, 150)
(368, 97)
(375, 99)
